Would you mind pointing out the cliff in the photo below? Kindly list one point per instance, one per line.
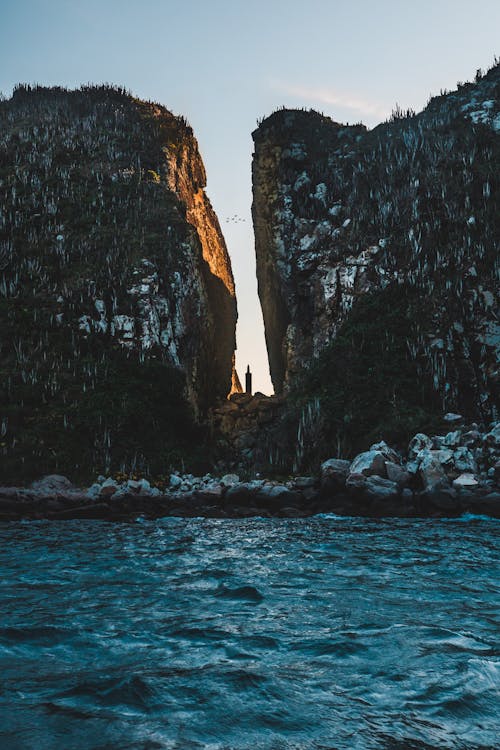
(377, 259)
(117, 302)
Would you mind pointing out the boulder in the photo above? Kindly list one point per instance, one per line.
(471, 439)
(419, 443)
(452, 417)
(466, 482)
(431, 472)
(335, 468)
(492, 438)
(229, 480)
(175, 482)
(53, 483)
(452, 439)
(389, 453)
(305, 483)
(464, 460)
(108, 488)
(397, 473)
(444, 456)
(372, 487)
(369, 463)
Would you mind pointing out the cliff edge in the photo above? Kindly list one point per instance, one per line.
(117, 302)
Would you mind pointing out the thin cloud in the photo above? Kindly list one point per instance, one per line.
(320, 95)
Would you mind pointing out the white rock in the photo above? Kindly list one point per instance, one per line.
(465, 481)
(451, 417)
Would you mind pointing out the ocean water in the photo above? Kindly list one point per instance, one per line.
(250, 634)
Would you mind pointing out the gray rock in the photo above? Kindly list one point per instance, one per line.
(444, 456)
(389, 453)
(52, 483)
(431, 472)
(452, 439)
(93, 491)
(471, 439)
(464, 461)
(335, 468)
(397, 474)
(175, 482)
(108, 488)
(229, 480)
(419, 443)
(304, 483)
(372, 487)
(492, 438)
(369, 463)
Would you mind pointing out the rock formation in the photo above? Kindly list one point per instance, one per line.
(389, 233)
(116, 291)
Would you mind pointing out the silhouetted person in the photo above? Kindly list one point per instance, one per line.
(248, 381)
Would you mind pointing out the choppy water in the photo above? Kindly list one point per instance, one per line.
(319, 633)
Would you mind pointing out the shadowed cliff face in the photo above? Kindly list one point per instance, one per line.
(343, 214)
(116, 291)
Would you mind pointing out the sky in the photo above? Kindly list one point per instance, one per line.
(225, 63)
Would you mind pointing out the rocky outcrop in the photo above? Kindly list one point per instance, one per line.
(379, 482)
(116, 292)
(358, 232)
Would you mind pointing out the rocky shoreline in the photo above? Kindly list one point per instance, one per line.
(440, 476)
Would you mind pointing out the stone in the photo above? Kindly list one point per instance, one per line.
(335, 468)
(134, 486)
(452, 439)
(369, 463)
(304, 483)
(175, 482)
(397, 473)
(51, 484)
(372, 487)
(389, 453)
(471, 439)
(419, 443)
(465, 481)
(229, 480)
(452, 417)
(108, 488)
(464, 460)
(492, 438)
(431, 472)
(444, 456)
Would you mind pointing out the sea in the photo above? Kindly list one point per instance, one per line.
(327, 633)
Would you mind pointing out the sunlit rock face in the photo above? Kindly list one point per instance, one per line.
(111, 258)
(341, 212)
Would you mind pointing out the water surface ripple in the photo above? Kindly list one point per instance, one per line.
(259, 634)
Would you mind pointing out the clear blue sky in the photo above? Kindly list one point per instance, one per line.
(224, 63)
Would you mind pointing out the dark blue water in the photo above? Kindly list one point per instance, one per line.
(257, 633)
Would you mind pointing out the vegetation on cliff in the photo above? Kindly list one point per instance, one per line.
(116, 323)
(377, 258)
